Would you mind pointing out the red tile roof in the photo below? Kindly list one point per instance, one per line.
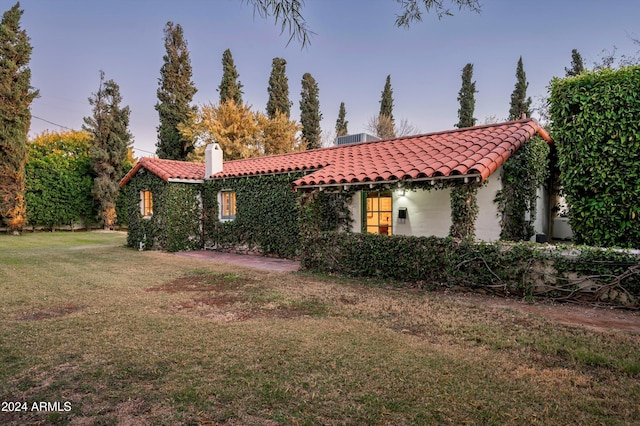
(474, 151)
(167, 169)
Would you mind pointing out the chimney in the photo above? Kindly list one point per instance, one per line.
(212, 160)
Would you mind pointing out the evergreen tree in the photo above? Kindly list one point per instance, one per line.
(577, 66)
(386, 124)
(278, 89)
(521, 173)
(310, 112)
(16, 95)
(175, 93)
(230, 87)
(520, 104)
(110, 142)
(467, 99)
(464, 203)
(341, 122)
(386, 101)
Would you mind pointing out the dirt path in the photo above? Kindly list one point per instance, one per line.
(596, 318)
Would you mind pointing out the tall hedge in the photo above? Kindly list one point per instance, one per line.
(596, 126)
(58, 179)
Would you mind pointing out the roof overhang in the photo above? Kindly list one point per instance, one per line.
(468, 178)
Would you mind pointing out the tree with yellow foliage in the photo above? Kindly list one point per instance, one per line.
(240, 132)
(279, 135)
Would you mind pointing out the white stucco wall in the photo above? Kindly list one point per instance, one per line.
(541, 224)
(488, 221)
(429, 212)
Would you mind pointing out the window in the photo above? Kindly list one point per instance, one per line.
(378, 212)
(146, 203)
(227, 205)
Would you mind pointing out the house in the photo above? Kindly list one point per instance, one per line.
(400, 186)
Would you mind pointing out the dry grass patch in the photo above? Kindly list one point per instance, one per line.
(48, 313)
(162, 339)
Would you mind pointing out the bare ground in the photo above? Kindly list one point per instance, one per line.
(591, 317)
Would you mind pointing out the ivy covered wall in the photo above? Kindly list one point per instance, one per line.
(176, 221)
(267, 215)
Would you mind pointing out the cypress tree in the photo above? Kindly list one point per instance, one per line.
(464, 203)
(175, 93)
(522, 173)
(520, 104)
(577, 66)
(341, 122)
(230, 87)
(110, 142)
(386, 101)
(16, 95)
(386, 125)
(310, 112)
(467, 100)
(278, 90)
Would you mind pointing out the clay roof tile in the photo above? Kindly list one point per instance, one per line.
(473, 150)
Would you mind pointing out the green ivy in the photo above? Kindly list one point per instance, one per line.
(266, 215)
(522, 174)
(175, 224)
(143, 230)
(464, 211)
(596, 128)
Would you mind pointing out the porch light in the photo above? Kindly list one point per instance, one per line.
(400, 192)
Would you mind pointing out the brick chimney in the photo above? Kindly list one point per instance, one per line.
(212, 160)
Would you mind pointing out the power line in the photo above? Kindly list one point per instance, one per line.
(65, 127)
(51, 122)
(148, 152)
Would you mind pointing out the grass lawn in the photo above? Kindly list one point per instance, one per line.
(109, 335)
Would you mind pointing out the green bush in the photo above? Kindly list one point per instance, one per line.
(517, 269)
(597, 131)
(58, 180)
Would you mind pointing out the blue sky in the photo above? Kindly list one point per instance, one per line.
(355, 47)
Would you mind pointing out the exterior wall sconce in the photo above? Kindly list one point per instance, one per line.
(402, 214)
(400, 192)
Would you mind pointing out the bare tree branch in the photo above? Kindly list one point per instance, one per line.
(288, 14)
(412, 9)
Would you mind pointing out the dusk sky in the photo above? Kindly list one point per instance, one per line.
(355, 47)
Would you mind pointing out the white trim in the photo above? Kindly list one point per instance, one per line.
(142, 205)
(175, 180)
